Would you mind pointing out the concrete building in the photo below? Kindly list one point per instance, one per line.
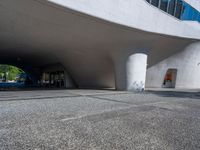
(122, 44)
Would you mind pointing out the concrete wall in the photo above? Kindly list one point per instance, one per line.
(187, 62)
(130, 69)
(133, 13)
(85, 36)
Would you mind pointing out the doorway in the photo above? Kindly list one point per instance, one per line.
(57, 79)
(54, 79)
(170, 78)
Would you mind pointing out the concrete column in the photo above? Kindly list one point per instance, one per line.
(131, 72)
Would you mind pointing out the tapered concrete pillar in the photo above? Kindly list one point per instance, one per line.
(131, 72)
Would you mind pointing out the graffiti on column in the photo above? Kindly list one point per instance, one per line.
(138, 86)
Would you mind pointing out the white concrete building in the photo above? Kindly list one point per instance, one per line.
(122, 44)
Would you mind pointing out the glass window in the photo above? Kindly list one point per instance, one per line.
(163, 5)
(148, 1)
(155, 2)
(199, 17)
(195, 15)
(171, 7)
(178, 10)
(187, 12)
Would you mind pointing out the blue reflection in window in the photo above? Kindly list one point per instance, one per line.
(199, 17)
(177, 8)
(187, 12)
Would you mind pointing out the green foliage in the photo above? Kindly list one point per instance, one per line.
(10, 72)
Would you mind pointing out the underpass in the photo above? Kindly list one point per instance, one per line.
(95, 47)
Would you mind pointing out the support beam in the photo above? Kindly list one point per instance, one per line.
(131, 72)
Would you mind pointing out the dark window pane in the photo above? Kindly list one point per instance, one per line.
(148, 1)
(155, 2)
(179, 6)
(163, 4)
(171, 7)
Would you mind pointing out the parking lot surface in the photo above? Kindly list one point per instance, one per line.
(99, 119)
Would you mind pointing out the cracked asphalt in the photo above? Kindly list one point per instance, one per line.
(99, 120)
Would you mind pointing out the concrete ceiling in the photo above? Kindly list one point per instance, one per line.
(35, 34)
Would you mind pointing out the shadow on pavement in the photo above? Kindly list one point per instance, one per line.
(177, 94)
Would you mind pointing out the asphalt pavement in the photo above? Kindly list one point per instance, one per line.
(99, 120)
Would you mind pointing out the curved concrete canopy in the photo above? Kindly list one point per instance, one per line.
(35, 34)
(135, 14)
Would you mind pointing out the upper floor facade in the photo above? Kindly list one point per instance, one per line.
(179, 20)
(177, 8)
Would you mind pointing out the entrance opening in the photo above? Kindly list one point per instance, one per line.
(13, 77)
(170, 78)
(55, 79)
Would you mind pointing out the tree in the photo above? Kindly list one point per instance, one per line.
(9, 72)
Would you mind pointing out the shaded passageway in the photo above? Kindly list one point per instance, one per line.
(94, 50)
